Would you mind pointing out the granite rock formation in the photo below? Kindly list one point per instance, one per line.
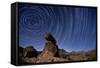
(30, 52)
(50, 51)
(51, 48)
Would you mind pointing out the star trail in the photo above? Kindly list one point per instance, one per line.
(74, 28)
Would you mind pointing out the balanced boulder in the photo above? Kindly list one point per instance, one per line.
(51, 49)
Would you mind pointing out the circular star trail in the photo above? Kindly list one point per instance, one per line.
(70, 26)
(38, 20)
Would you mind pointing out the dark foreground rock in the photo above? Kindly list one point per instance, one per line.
(50, 50)
(51, 53)
(30, 51)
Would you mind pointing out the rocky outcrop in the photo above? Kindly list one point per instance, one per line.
(49, 37)
(50, 49)
(30, 52)
(50, 52)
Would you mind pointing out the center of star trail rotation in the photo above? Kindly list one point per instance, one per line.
(74, 28)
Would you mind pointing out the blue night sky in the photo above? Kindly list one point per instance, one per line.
(74, 28)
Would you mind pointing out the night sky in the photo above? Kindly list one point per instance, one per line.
(74, 28)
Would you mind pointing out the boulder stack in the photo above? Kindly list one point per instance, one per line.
(50, 50)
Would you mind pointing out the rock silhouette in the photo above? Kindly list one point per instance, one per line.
(30, 52)
(49, 37)
(51, 53)
(50, 49)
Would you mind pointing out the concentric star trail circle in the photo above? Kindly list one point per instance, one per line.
(71, 27)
